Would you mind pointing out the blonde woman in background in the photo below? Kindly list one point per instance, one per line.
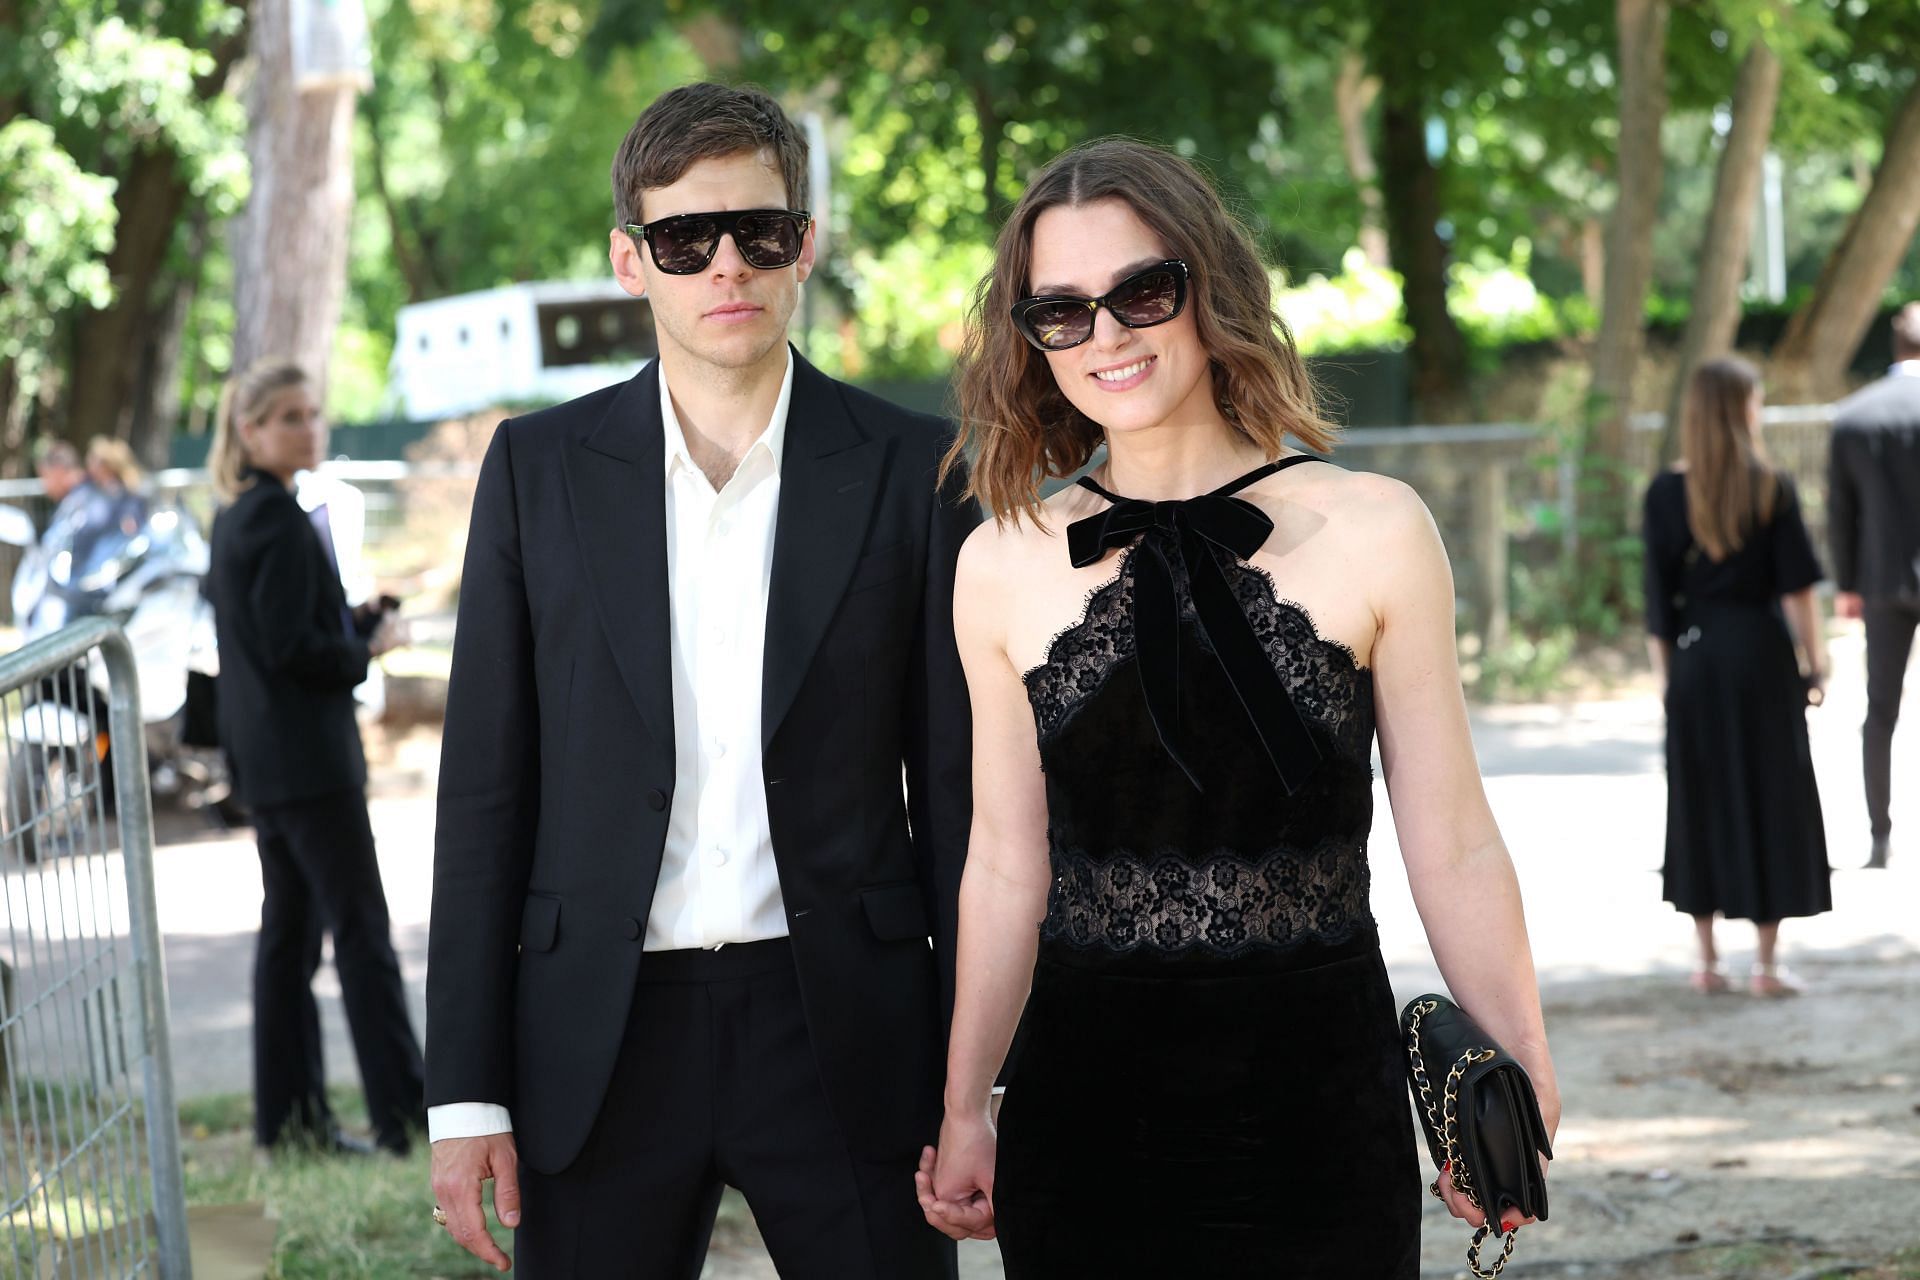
(291, 652)
(1735, 636)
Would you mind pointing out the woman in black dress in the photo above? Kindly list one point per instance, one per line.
(1176, 669)
(291, 652)
(1735, 634)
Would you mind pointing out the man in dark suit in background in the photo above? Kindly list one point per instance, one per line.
(1874, 503)
(689, 930)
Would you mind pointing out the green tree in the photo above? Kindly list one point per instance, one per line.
(136, 98)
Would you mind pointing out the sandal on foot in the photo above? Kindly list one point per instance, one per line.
(1773, 982)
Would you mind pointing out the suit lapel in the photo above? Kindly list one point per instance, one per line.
(616, 477)
(829, 481)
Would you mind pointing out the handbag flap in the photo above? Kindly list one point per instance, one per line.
(1500, 1128)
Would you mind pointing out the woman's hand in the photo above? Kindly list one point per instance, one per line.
(392, 633)
(955, 1181)
(1462, 1208)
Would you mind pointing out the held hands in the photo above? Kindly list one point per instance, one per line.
(1846, 604)
(955, 1182)
(460, 1166)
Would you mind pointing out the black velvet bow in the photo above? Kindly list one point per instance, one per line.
(1179, 532)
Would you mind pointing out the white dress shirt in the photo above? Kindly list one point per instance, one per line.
(717, 881)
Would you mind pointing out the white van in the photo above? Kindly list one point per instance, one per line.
(547, 341)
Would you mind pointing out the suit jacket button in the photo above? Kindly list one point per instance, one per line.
(656, 800)
(631, 928)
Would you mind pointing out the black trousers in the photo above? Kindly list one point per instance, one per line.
(716, 1086)
(318, 869)
(1890, 627)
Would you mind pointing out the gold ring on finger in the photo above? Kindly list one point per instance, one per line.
(440, 1215)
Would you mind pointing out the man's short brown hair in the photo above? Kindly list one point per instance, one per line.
(705, 122)
(1906, 332)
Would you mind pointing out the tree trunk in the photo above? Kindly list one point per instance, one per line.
(106, 361)
(413, 247)
(10, 34)
(106, 343)
(1353, 94)
(1810, 363)
(13, 423)
(1715, 315)
(1629, 246)
(156, 400)
(1411, 187)
(992, 129)
(1593, 258)
(290, 242)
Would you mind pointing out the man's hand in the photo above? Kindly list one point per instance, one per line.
(460, 1165)
(1846, 604)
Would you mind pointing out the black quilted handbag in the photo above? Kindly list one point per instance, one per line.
(1480, 1116)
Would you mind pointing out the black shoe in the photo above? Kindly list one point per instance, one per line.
(1877, 861)
(399, 1145)
(341, 1143)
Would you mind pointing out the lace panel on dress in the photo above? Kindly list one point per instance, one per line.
(1224, 904)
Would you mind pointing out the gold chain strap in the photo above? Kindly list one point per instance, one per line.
(1444, 1119)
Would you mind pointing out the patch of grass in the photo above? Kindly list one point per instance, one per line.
(218, 1113)
(336, 1218)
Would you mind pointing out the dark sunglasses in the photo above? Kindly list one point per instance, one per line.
(684, 244)
(1059, 321)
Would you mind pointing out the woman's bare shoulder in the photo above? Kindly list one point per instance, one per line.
(1364, 504)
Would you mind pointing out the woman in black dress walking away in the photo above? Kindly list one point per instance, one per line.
(1736, 635)
(1176, 669)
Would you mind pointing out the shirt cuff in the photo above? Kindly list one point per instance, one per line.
(467, 1120)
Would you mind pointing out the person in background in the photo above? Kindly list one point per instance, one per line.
(291, 652)
(57, 464)
(1873, 511)
(1735, 636)
(117, 477)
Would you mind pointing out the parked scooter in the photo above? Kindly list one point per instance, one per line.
(143, 568)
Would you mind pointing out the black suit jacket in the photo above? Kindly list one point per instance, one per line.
(1873, 496)
(288, 661)
(558, 764)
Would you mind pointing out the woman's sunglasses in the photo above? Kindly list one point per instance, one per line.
(1060, 321)
(684, 244)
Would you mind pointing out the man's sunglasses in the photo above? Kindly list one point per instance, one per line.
(1060, 321)
(684, 244)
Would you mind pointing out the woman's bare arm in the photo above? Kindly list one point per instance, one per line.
(1003, 894)
(1462, 879)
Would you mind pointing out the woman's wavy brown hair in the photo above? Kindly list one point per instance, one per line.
(1731, 487)
(1016, 422)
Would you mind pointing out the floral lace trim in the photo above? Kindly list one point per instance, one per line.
(1328, 684)
(1223, 904)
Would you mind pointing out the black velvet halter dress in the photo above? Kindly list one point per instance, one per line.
(1208, 1081)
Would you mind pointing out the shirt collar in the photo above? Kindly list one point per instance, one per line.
(773, 437)
(1906, 368)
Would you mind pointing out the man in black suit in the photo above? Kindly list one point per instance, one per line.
(1874, 498)
(689, 929)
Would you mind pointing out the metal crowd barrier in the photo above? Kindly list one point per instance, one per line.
(90, 1173)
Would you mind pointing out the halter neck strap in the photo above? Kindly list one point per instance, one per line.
(1226, 490)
